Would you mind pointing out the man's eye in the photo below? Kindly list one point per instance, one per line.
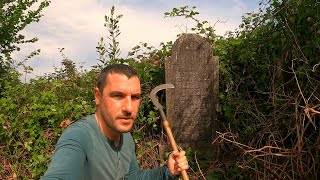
(117, 96)
(136, 97)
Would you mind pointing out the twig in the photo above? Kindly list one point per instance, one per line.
(314, 67)
(265, 147)
(295, 40)
(195, 156)
(312, 110)
(234, 142)
(304, 99)
(295, 77)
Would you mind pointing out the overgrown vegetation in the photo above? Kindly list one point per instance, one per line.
(269, 108)
(270, 90)
(14, 17)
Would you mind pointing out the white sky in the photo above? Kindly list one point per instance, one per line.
(77, 26)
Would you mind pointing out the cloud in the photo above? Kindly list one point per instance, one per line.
(77, 26)
(73, 25)
(149, 27)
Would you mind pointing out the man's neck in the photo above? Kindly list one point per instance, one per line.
(108, 133)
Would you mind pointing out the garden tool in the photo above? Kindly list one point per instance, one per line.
(165, 121)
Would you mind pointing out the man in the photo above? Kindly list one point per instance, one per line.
(100, 146)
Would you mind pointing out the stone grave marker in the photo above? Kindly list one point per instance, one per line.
(190, 108)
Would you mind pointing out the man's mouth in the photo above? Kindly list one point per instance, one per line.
(125, 118)
(125, 121)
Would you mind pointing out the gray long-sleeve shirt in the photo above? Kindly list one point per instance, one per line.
(83, 152)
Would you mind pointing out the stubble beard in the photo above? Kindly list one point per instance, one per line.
(118, 127)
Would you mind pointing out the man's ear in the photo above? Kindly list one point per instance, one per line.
(97, 95)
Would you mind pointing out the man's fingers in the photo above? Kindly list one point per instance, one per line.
(177, 154)
(182, 153)
(181, 160)
(183, 166)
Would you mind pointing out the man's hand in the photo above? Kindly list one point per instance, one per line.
(177, 162)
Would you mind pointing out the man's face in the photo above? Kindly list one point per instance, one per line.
(119, 104)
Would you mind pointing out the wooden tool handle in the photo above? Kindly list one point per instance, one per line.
(174, 146)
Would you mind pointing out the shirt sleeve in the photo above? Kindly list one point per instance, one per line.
(69, 157)
(135, 173)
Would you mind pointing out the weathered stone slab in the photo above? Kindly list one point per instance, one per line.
(193, 71)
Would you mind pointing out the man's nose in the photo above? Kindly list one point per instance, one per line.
(127, 106)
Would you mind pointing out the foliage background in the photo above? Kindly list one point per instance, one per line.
(269, 107)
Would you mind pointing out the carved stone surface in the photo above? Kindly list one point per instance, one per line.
(193, 71)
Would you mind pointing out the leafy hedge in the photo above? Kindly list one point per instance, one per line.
(269, 98)
(270, 89)
(33, 116)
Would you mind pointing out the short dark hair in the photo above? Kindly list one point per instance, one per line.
(114, 68)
